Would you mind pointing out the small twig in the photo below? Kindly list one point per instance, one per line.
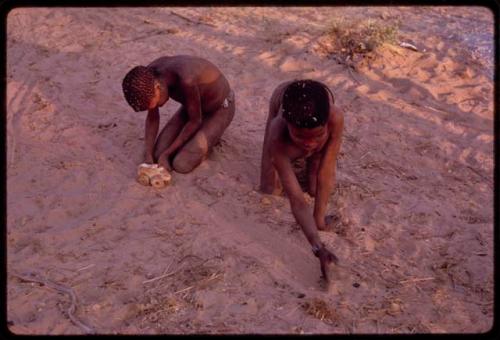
(366, 153)
(481, 175)
(184, 289)
(417, 280)
(193, 21)
(437, 109)
(64, 289)
(480, 303)
(160, 277)
(163, 275)
(212, 203)
(176, 271)
(350, 65)
(352, 75)
(146, 35)
(197, 223)
(212, 277)
(86, 267)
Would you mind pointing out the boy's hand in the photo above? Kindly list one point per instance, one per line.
(323, 224)
(325, 258)
(163, 161)
(148, 159)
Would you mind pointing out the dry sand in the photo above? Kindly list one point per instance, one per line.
(89, 249)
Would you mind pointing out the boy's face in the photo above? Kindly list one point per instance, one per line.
(159, 98)
(308, 139)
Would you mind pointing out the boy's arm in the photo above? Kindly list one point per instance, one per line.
(268, 176)
(151, 130)
(300, 209)
(267, 172)
(193, 109)
(327, 171)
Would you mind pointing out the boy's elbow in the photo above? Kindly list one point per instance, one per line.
(275, 156)
(273, 160)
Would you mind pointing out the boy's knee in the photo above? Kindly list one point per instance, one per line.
(189, 158)
(182, 166)
(187, 162)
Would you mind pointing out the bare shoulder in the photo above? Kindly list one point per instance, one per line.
(336, 120)
(277, 98)
(277, 133)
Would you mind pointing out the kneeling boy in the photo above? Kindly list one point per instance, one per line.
(303, 122)
(207, 108)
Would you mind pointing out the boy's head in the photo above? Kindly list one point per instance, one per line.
(306, 104)
(140, 88)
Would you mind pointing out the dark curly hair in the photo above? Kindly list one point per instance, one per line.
(138, 87)
(305, 103)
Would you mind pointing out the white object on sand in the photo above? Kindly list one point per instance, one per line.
(409, 46)
(154, 175)
(146, 165)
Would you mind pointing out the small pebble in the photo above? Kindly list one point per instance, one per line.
(265, 201)
(355, 285)
(395, 308)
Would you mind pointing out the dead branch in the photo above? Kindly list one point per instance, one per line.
(163, 275)
(198, 22)
(417, 280)
(60, 288)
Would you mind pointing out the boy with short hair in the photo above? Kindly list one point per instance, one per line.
(303, 122)
(207, 108)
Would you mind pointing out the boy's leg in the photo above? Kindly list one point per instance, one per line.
(198, 147)
(170, 131)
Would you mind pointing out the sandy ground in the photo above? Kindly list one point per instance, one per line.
(91, 250)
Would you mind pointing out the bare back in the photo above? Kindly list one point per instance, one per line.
(211, 83)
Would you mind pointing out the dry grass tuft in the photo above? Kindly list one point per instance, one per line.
(361, 36)
(351, 41)
(320, 310)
